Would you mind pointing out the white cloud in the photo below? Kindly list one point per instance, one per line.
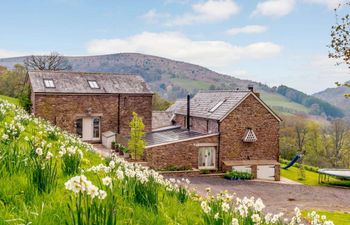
(7, 53)
(249, 29)
(218, 55)
(274, 8)
(153, 16)
(331, 4)
(208, 11)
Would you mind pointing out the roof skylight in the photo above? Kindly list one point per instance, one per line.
(216, 106)
(49, 83)
(93, 84)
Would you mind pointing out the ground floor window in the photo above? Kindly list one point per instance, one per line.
(206, 158)
(96, 127)
(79, 127)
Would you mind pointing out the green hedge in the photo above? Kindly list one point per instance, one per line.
(237, 175)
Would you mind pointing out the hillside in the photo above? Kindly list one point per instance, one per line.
(336, 96)
(175, 79)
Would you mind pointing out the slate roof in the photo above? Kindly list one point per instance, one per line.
(203, 102)
(77, 82)
(170, 135)
(161, 119)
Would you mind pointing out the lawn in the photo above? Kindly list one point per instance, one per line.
(339, 218)
(10, 100)
(311, 178)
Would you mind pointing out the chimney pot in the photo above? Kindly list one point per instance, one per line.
(251, 87)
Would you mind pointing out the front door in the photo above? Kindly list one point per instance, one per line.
(206, 158)
(88, 128)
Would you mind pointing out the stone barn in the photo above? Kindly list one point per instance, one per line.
(88, 104)
(219, 131)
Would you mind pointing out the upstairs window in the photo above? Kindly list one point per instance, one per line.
(249, 136)
(93, 84)
(217, 106)
(49, 83)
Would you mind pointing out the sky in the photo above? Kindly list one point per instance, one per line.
(270, 41)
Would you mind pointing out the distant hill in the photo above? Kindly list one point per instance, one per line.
(175, 79)
(336, 96)
(316, 105)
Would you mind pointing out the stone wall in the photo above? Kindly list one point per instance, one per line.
(63, 110)
(181, 154)
(249, 114)
(142, 105)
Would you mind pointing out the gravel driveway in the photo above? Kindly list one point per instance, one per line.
(281, 197)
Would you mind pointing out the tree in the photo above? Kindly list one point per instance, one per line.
(54, 61)
(338, 134)
(340, 38)
(159, 103)
(136, 144)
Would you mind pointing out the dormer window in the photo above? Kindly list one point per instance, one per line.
(217, 106)
(49, 83)
(93, 84)
(249, 136)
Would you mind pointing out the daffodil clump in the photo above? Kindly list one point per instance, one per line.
(225, 208)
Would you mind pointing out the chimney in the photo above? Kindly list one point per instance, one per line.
(188, 112)
(251, 88)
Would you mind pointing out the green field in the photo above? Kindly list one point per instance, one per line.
(282, 104)
(191, 84)
(339, 218)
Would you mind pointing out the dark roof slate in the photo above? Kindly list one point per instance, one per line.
(203, 102)
(77, 82)
(170, 135)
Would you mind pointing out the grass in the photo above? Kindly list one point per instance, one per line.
(191, 84)
(311, 178)
(282, 104)
(339, 218)
(11, 100)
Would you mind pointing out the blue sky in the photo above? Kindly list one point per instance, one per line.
(271, 41)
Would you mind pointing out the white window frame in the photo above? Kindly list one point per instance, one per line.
(93, 84)
(48, 83)
(213, 153)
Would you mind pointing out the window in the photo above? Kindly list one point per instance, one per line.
(49, 83)
(206, 158)
(93, 84)
(249, 136)
(79, 127)
(96, 128)
(217, 106)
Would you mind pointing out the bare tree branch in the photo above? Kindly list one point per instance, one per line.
(54, 62)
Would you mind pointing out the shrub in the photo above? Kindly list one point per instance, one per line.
(238, 175)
